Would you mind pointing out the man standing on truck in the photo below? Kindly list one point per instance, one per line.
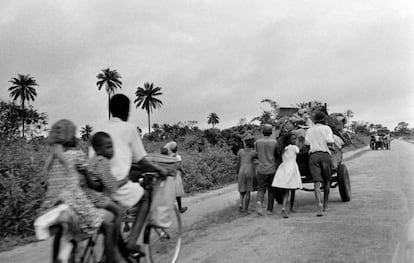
(320, 138)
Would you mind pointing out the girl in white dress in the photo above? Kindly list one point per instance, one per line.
(287, 175)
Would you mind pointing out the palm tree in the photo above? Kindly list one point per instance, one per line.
(213, 119)
(146, 99)
(349, 114)
(86, 132)
(23, 88)
(112, 80)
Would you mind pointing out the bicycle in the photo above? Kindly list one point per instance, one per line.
(160, 244)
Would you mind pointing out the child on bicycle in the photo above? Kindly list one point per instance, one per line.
(99, 186)
(65, 202)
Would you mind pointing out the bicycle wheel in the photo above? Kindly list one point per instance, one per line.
(164, 245)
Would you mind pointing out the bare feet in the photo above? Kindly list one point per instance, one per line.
(269, 213)
(284, 214)
(259, 208)
(319, 213)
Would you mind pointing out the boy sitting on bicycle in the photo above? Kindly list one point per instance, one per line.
(100, 185)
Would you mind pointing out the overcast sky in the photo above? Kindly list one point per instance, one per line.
(213, 56)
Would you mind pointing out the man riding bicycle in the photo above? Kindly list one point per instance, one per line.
(128, 149)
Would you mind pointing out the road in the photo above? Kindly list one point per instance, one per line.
(366, 229)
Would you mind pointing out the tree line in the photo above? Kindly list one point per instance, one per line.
(23, 88)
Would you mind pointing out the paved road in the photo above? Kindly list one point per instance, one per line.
(366, 229)
(363, 230)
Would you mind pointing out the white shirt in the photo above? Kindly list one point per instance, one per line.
(127, 144)
(317, 137)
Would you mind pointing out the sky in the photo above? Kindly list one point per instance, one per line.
(213, 56)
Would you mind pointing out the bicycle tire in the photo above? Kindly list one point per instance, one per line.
(160, 249)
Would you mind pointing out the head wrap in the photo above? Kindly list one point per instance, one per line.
(170, 147)
(63, 132)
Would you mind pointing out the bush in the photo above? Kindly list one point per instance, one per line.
(207, 166)
(209, 169)
(22, 186)
(22, 182)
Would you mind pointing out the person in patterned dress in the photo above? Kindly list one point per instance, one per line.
(63, 183)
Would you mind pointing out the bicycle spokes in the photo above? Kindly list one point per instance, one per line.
(162, 233)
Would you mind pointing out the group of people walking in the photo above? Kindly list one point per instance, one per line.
(269, 165)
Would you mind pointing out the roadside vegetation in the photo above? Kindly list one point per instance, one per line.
(209, 158)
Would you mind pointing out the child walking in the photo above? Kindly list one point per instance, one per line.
(246, 172)
(172, 148)
(287, 175)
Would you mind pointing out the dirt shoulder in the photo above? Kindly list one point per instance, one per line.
(366, 229)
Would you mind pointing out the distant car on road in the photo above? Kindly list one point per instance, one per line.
(381, 140)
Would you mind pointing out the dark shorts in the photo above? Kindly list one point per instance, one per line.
(320, 166)
(264, 181)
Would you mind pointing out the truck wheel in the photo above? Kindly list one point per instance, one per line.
(344, 184)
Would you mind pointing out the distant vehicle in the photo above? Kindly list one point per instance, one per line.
(381, 140)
